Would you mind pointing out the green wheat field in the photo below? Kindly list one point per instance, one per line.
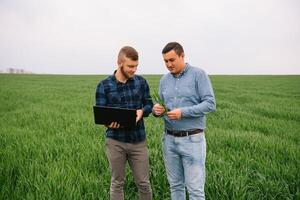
(50, 147)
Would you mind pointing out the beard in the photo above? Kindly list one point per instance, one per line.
(125, 74)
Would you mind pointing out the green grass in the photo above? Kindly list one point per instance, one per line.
(51, 149)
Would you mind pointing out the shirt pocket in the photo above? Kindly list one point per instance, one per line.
(187, 90)
(113, 98)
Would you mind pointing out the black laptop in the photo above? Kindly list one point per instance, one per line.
(123, 116)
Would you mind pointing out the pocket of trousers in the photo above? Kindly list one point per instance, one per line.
(197, 138)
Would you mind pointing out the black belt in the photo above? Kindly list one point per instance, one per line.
(184, 133)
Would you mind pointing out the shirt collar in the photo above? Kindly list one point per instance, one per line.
(186, 68)
(116, 80)
(113, 77)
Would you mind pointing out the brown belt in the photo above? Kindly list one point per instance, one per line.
(184, 133)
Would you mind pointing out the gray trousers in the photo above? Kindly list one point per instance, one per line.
(137, 156)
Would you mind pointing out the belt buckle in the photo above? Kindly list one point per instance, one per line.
(186, 133)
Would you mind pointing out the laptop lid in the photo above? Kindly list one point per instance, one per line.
(123, 116)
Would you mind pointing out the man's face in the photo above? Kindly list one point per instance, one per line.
(173, 62)
(128, 67)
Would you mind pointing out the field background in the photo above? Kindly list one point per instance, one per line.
(51, 149)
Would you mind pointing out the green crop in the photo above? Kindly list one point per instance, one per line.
(50, 147)
(157, 99)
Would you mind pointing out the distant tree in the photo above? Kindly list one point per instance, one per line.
(11, 70)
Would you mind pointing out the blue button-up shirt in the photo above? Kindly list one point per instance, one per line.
(192, 92)
(134, 94)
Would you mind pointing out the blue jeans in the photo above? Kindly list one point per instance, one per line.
(185, 165)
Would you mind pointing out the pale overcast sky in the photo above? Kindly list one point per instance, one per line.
(84, 36)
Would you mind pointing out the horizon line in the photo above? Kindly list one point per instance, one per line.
(94, 74)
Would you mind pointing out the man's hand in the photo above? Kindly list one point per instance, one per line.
(158, 109)
(113, 125)
(175, 114)
(139, 115)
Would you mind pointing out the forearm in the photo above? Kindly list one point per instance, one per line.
(198, 110)
(147, 110)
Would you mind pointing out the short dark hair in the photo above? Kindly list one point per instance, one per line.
(173, 46)
(129, 52)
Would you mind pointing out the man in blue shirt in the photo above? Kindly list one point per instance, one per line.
(188, 96)
(124, 89)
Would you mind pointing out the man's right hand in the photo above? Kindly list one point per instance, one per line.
(158, 109)
(113, 125)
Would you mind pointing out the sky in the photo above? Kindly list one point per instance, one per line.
(84, 36)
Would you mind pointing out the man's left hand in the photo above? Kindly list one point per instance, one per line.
(139, 115)
(175, 114)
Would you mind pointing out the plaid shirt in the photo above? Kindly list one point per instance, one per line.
(134, 94)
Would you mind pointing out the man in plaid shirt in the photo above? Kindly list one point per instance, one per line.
(124, 89)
